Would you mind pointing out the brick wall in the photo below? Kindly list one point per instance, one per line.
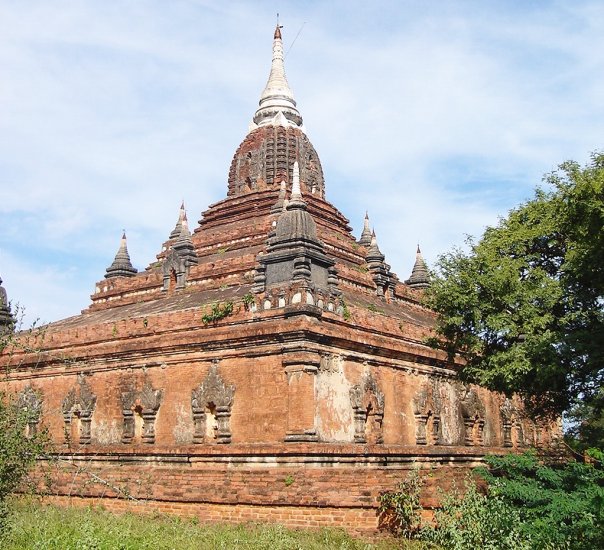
(299, 485)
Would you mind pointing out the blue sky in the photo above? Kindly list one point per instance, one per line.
(435, 117)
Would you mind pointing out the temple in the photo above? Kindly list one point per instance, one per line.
(267, 365)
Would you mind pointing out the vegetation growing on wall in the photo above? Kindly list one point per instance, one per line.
(217, 311)
(345, 311)
(248, 301)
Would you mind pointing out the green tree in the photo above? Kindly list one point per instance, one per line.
(524, 306)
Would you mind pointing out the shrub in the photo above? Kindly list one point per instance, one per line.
(527, 504)
(400, 510)
(562, 505)
(473, 520)
(17, 452)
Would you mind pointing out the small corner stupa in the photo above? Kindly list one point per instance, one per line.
(7, 321)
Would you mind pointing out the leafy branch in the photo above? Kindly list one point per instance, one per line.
(217, 312)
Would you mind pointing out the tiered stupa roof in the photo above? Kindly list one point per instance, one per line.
(221, 256)
(374, 254)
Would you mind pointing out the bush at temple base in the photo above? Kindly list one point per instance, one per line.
(18, 451)
(528, 504)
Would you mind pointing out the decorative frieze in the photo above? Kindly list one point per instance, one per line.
(473, 413)
(30, 401)
(511, 420)
(211, 403)
(142, 404)
(367, 402)
(295, 294)
(77, 407)
(427, 412)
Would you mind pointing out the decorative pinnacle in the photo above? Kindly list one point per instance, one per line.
(277, 96)
(121, 266)
(420, 277)
(279, 206)
(365, 239)
(296, 191)
(374, 254)
(178, 227)
(184, 238)
(374, 243)
(296, 202)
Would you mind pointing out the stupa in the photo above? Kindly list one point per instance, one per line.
(265, 366)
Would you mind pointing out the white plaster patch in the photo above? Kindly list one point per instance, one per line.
(183, 427)
(334, 419)
(107, 432)
(451, 422)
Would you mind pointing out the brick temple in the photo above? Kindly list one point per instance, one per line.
(267, 365)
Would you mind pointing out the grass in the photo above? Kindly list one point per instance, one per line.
(44, 527)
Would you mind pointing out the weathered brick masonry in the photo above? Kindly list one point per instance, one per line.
(267, 366)
(300, 484)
